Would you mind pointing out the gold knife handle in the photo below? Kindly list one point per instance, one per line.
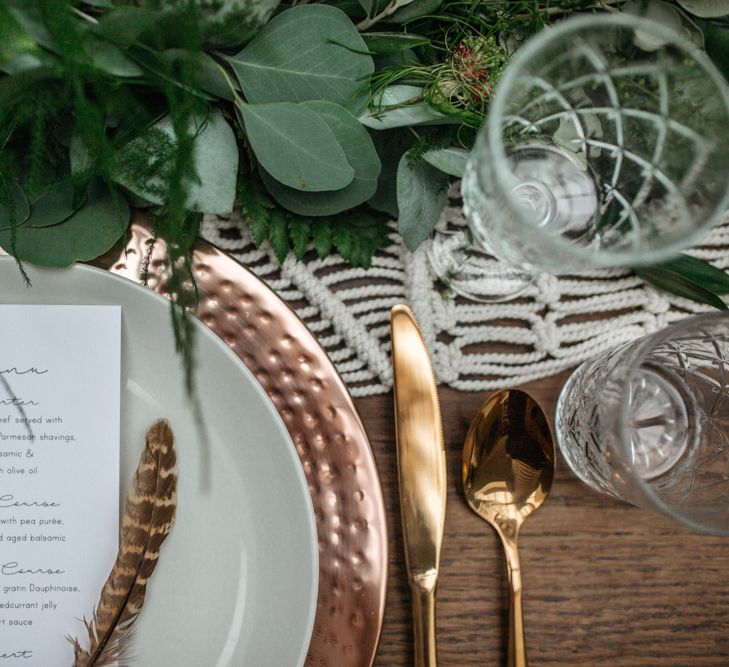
(516, 656)
(424, 626)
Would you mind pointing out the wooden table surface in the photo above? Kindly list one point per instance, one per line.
(604, 583)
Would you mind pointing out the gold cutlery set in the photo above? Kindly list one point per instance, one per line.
(508, 469)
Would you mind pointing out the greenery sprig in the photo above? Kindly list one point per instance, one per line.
(322, 120)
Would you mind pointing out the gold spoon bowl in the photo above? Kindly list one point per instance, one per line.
(508, 469)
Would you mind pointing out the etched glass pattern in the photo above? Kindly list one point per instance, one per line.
(604, 145)
(649, 422)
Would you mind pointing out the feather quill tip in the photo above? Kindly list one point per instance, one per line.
(149, 514)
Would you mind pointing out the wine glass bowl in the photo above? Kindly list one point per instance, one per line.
(603, 147)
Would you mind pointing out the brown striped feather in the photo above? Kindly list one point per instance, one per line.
(149, 514)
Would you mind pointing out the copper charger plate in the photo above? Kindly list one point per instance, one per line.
(324, 426)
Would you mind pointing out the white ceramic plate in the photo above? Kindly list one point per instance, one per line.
(237, 581)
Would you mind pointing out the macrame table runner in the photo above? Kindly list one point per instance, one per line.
(560, 322)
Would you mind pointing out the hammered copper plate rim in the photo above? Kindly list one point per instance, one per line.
(325, 426)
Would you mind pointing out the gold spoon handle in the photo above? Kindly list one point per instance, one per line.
(424, 626)
(516, 656)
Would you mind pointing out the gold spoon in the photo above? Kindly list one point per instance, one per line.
(508, 467)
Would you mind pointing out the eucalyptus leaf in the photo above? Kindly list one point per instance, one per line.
(402, 106)
(157, 63)
(21, 63)
(29, 17)
(110, 58)
(387, 43)
(14, 39)
(422, 191)
(125, 25)
(295, 146)
(88, 233)
(667, 15)
(14, 207)
(717, 46)
(351, 8)
(391, 145)
(230, 23)
(13, 87)
(706, 8)
(308, 52)
(396, 5)
(369, 6)
(104, 4)
(669, 280)
(450, 161)
(79, 156)
(53, 206)
(410, 10)
(407, 58)
(699, 271)
(361, 155)
(205, 70)
(215, 159)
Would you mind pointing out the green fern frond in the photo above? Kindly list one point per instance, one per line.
(356, 236)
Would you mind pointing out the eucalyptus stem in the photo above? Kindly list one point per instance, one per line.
(231, 85)
(84, 16)
(387, 11)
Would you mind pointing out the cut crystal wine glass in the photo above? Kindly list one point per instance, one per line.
(597, 152)
(649, 422)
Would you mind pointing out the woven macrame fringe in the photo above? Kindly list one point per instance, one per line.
(559, 323)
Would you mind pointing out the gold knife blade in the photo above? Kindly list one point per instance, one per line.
(421, 468)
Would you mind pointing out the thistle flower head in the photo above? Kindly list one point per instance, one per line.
(466, 80)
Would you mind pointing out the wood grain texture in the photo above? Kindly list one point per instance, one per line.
(604, 583)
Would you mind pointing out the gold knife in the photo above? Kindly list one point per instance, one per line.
(421, 468)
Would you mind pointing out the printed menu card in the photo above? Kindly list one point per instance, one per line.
(59, 474)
